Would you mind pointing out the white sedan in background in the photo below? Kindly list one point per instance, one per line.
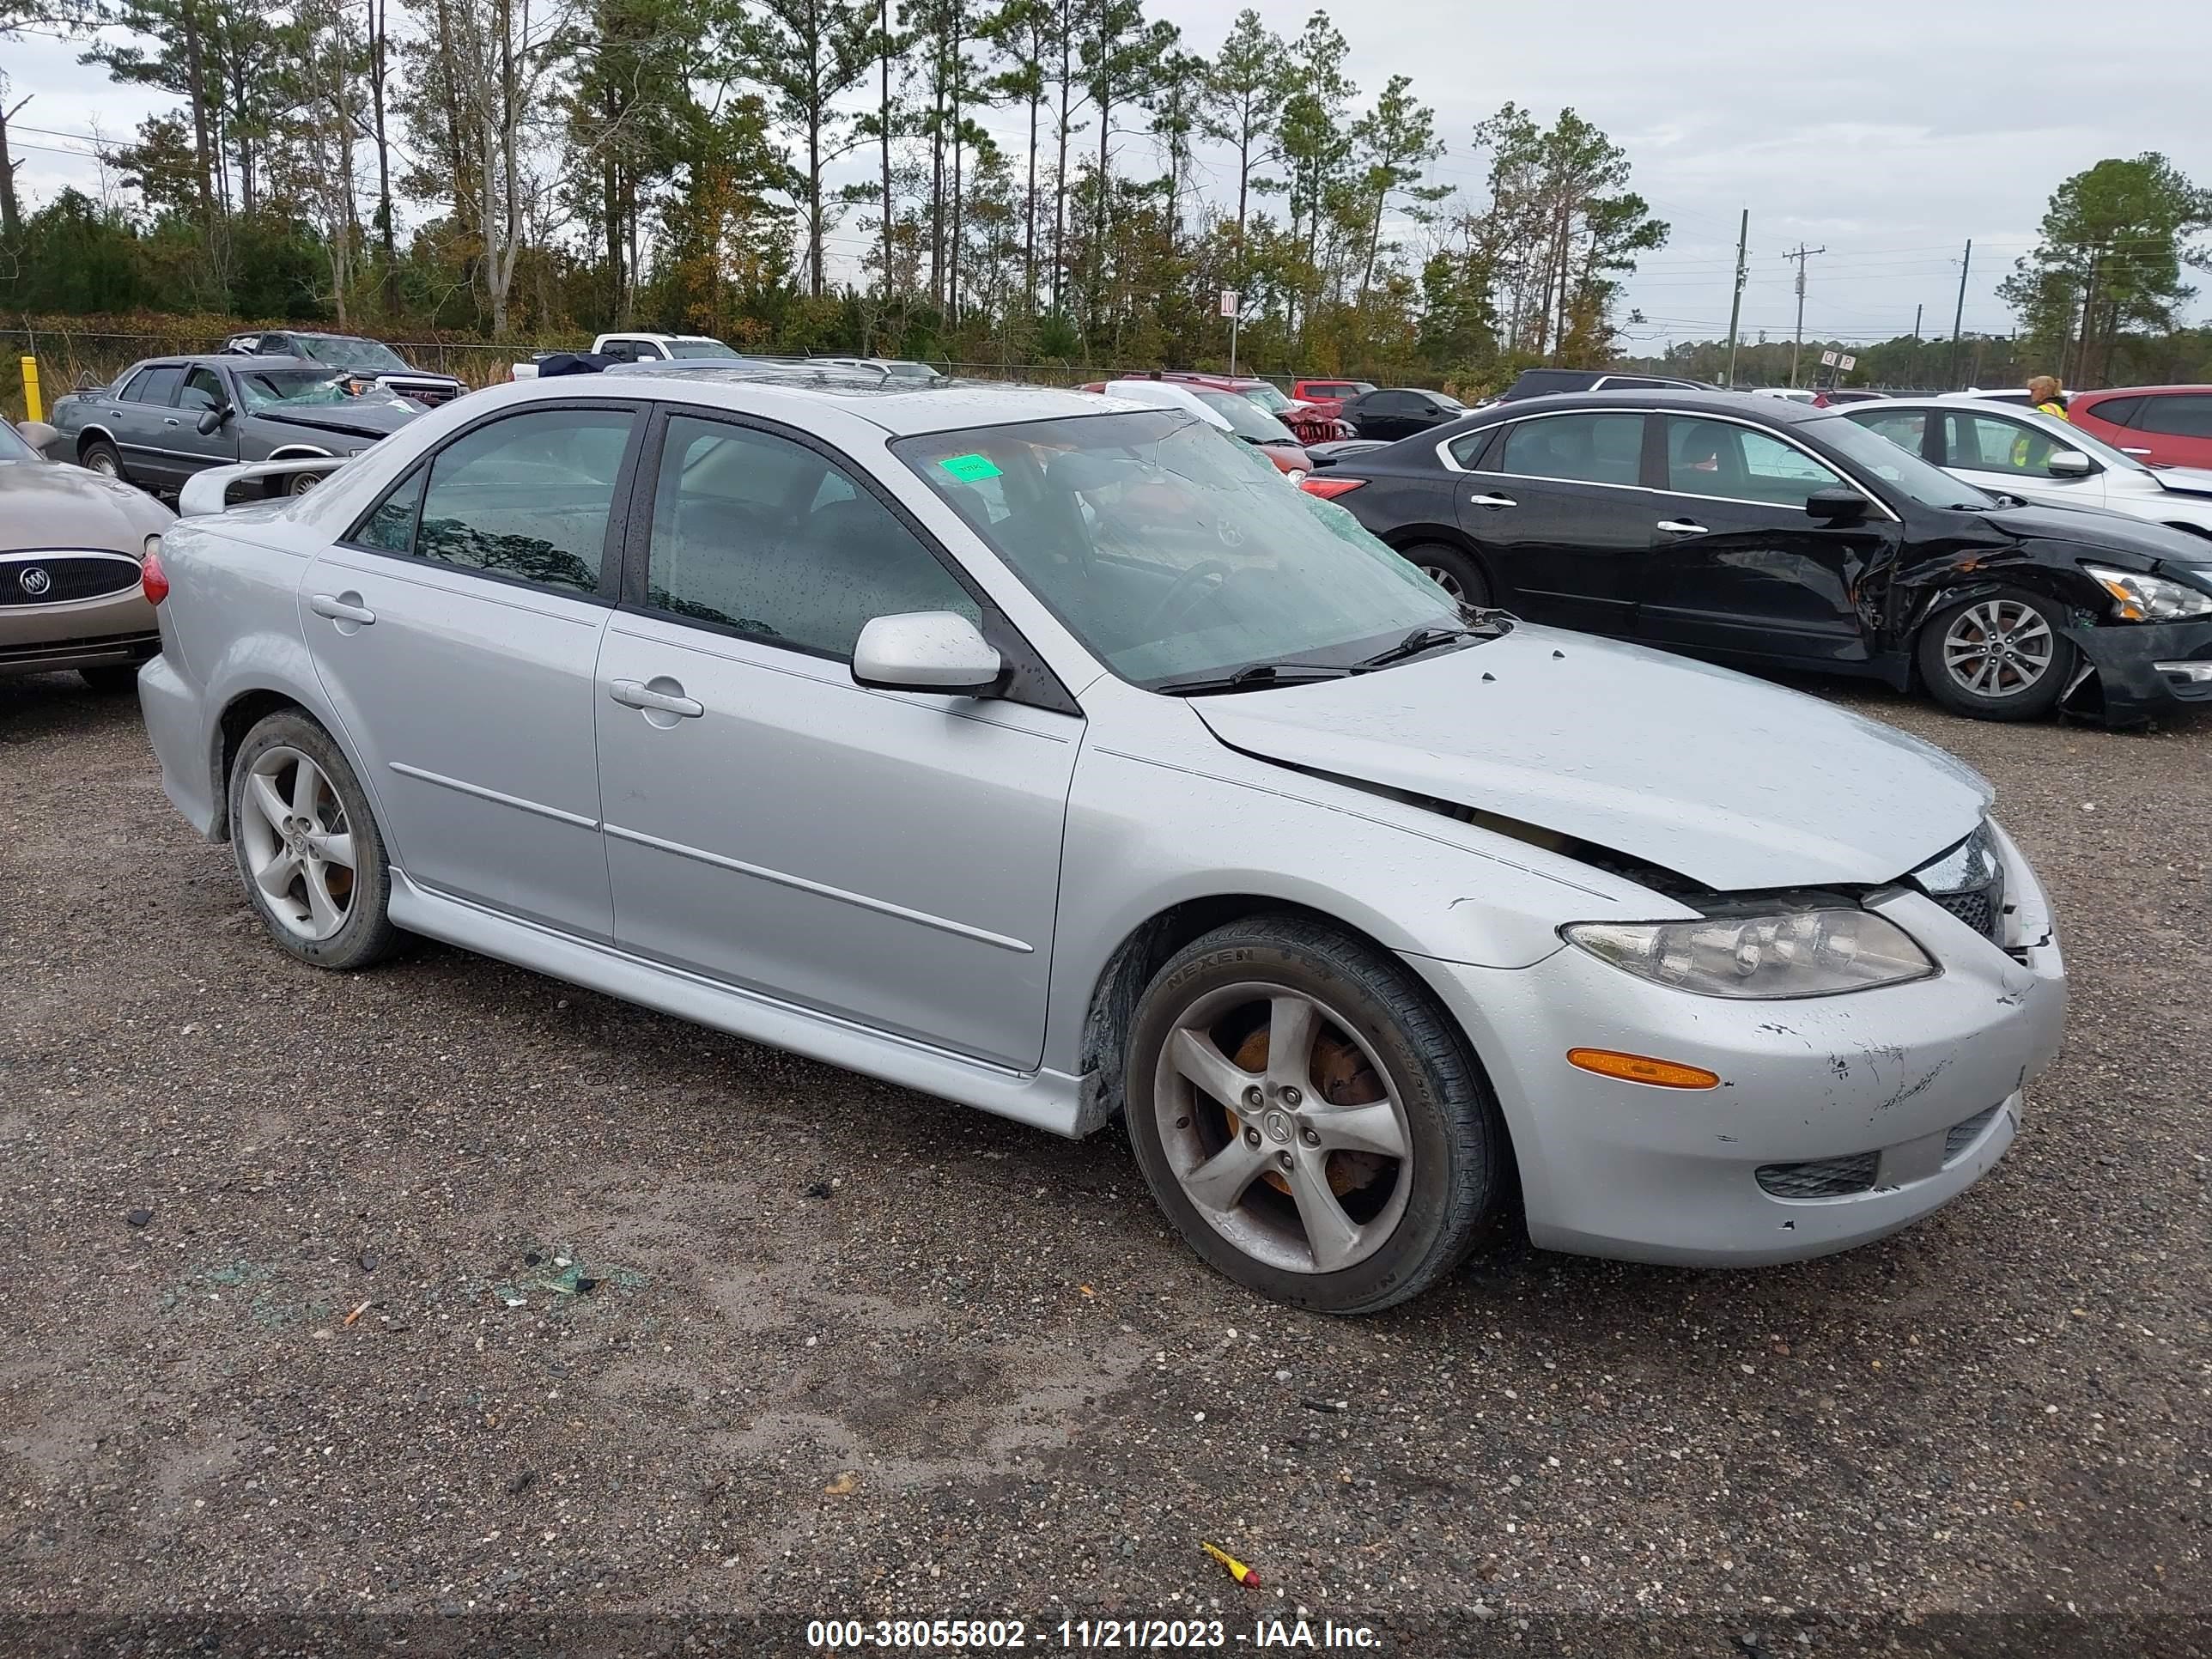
(2010, 451)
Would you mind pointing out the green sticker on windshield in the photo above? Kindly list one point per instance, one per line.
(970, 469)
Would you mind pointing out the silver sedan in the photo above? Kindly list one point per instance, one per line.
(70, 544)
(1052, 755)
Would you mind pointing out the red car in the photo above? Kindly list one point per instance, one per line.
(2160, 425)
(1307, 424)
(1330, 396)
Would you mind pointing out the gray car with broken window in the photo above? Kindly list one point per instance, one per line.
(167, 419)
(1052, 755)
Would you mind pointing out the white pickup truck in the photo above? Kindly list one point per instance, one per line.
(639, 348)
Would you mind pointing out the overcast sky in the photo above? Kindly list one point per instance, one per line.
(1886, 132)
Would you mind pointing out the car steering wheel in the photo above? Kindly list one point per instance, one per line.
(1182, 595)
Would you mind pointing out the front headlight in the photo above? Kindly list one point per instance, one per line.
(2149, 599)
(1804, 953)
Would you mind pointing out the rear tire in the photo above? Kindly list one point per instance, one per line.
(103, 456)
(1451, 569)
(1998, 657)
(1344, 1174)
(308, 851)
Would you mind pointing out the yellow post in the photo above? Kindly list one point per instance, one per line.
(31, 390)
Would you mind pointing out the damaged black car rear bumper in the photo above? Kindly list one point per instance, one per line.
(2144, 670)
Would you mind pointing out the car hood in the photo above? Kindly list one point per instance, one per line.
(1735, 783)
(363, 418)
(50, 504)
(2184, 480)
(2098, 530)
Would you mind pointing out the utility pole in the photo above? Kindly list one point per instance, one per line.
(1736, 306)
(1917, 310)
(1951, 373)
(1803, 254)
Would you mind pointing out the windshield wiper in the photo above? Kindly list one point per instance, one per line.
(1253, 677)
(1481, 625)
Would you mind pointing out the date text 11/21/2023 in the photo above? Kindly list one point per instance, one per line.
(1089, 1635)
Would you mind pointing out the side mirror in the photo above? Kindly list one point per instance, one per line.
(211, 420)
(2068, 464)
(937, 651)
(1837, 505)
(37, 434)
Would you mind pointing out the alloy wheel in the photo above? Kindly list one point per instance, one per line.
(1282, 1127)
(104, 463)
(1998, 649)
(299, 847)
(1444, 579)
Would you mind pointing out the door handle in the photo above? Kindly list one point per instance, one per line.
(1683, 527)
(633, 694)
(171, 420)
(1491, 500)
(350, 610)
(2125, 450)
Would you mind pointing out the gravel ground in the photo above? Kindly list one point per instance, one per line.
(659, 1326)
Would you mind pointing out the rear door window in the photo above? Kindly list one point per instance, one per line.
(1905, 428)
(2186, 415)
(1606, 449)
(527, 499)
(157, 385)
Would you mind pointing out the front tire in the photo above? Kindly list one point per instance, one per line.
(1449, 568)
(308, 850)
(1998, 657)
(1309, 1120)
(103, 457)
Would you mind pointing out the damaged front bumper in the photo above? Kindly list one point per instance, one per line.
(1839, 1119)
(2141, 670)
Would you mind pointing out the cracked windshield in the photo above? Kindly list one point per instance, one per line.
(281, 389)
(1174, 552)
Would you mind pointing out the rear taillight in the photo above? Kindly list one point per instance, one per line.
(1329, 489)
(153, 581)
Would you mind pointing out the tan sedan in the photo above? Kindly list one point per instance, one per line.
(71, 545)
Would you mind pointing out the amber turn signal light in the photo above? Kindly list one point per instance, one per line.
(1643, 1068)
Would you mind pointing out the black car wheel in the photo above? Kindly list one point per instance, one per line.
(103, 456)
(1450, 569)
(1997, 656)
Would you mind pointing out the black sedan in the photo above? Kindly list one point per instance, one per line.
(1400, 412)
(1770, 533)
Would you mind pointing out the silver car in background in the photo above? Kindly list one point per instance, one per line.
(1043, 752)
(70, 546)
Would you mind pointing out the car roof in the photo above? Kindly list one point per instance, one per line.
(225, 360)
(1743, 404)
(899, 407)
(2199, 388)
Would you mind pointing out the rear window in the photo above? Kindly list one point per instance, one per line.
(2186, 416)
(2119, 411)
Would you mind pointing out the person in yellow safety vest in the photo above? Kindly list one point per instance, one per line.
(2031, 450)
